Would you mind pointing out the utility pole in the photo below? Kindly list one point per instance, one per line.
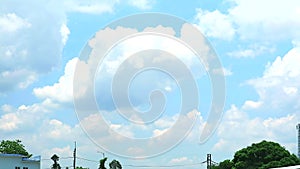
(208, 161)
(74, 156)
(298, 128)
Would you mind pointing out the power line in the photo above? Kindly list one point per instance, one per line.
(148, 166)
(85, 159)
(140, 166)
(61, 158)
(164, 166)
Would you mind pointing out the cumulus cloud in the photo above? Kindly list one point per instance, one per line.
(249, 104)
(9, 122)
(40, 133)
(215, 24)
(64, 31)
(62, 91)
(238, 130)
(21, 118)
(279, 85)
(269, 22)
(10, 23)
(19, 78)
(29, 47)
(278, 104)
(240, 20)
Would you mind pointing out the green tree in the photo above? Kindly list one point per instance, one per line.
(114, 164)
(13, 147)
(102, 163)
(263, 155)
(226, 164)
(55, 165)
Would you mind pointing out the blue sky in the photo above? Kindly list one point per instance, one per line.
(257, 42)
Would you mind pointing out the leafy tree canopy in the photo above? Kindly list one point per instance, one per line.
(13, 147)
(81, 168)
(261, 155)
(114, 164)
(102, 163)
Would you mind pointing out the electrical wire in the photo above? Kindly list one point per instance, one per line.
(164, 166)
(139, 166)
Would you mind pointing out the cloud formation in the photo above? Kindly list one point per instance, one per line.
(28, 47)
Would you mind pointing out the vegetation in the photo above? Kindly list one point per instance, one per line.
(81, 168)
(261, 155)
(114, 164)
(13, 147)
(55, 158)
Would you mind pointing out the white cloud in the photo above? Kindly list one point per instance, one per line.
(165, 122)
(141, 4)
(157, 132)
(62, 91)
(223, 71)
(249, 104)
(251, 52)
(278, 99)
(286, 66)
(9, 122)
(290, 90)
(180, 160)
(25, 49)
(276, 22)
(21, 78)
(10, 23)
(56, 130)
(279, 20)
(279, 85)
(215, 24)
(64, 31)
(21, 119)
(238, 130)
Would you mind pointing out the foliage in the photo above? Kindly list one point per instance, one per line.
(261, 155)
(81, 168)
(264, 155)
(13, 147)
(102, 163)
(226, 164)
(55, 158)
(115, 165)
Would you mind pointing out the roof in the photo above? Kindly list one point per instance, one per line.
(24, 158)
(289, 167)
(11, 155)
(32, 159)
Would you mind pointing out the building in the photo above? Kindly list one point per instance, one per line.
(290, 167)
(18, 161)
